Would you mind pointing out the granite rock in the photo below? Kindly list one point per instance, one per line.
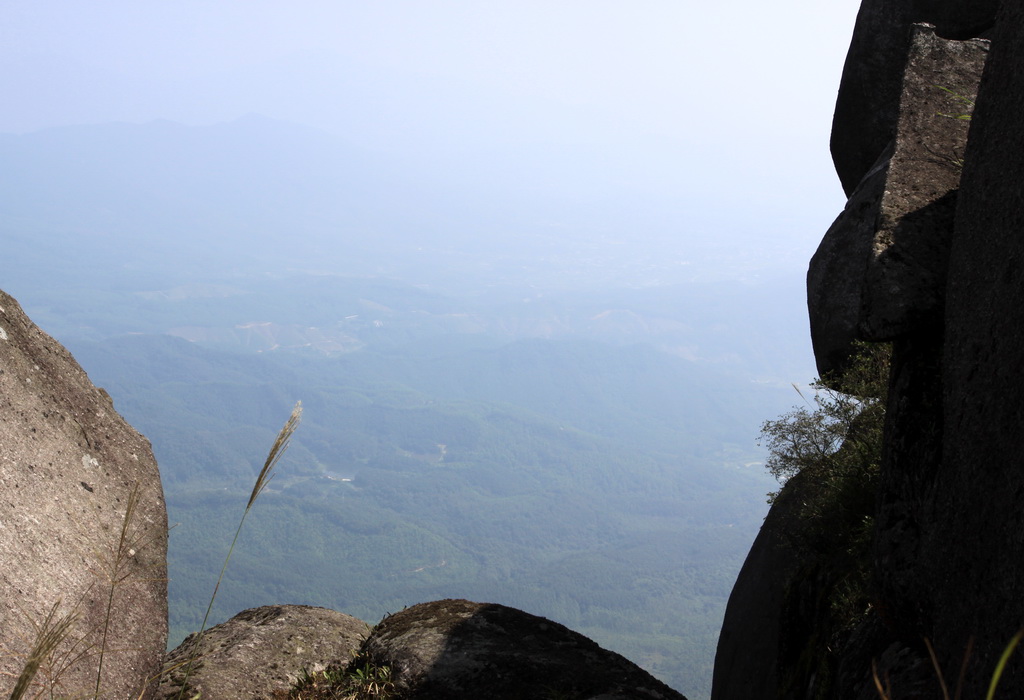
(84, 525)
(880, 271)
(262, 650)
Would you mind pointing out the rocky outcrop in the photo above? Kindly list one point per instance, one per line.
(84, 526)
(260, 651)
(880, 271)
(880, 274)
(445, 649)
(460, 649)
(928, 255)
(948, 512)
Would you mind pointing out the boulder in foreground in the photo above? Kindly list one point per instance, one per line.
(461, 649)
(84, 526)
(262, 650)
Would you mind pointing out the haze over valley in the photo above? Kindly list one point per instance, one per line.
(565, 424)
(534, 333)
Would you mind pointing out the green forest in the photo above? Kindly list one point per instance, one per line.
(605, 487)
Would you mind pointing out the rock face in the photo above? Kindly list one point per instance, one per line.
(929, 255)
(973, 543)
(748, 646)
(262, 650)
(83, 521)
(880, 271)
(460, 649)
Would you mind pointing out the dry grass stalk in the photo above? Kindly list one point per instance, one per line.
(119, 570)
(266, 474)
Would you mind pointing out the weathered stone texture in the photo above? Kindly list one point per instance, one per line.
(911, 455)
(262, 650)
(869, 92)
(459, 649)
(906, 273)
(69, 466)
(867, 107)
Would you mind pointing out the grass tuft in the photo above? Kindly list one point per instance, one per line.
(359, 681)
(49, 635)
(277, 449)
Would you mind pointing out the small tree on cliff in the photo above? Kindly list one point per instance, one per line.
(832, 451)
(840, 436)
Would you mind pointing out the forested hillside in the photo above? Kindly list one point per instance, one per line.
(604, 487)
(534, 395)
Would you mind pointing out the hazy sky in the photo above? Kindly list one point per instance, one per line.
(731, 102)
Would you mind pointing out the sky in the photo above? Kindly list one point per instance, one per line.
(725, 104)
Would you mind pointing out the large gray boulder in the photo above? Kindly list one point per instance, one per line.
(260, 651)
(83, 522)
(880, 270)
(459, 649)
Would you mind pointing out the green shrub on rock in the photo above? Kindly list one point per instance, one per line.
(834, 449)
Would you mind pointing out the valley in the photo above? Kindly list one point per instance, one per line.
(562, 421)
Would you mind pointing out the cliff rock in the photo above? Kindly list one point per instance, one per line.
(928, 255)
(880, 270)
(972, 545)
(262, 650)
(84, 526)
